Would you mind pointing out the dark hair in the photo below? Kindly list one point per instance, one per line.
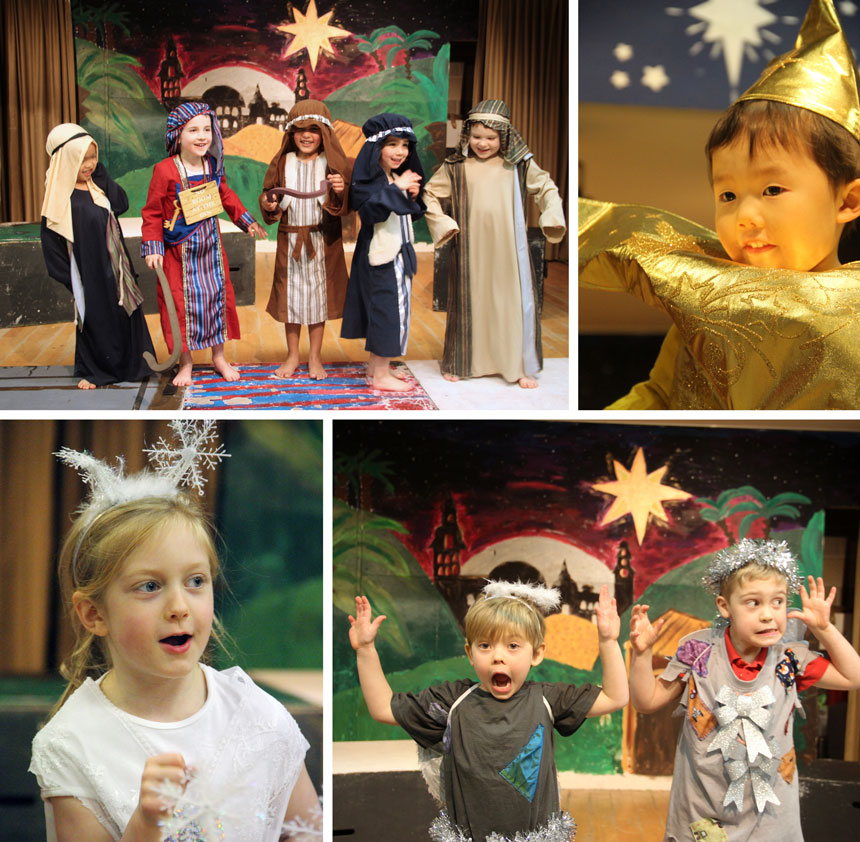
(769, 123)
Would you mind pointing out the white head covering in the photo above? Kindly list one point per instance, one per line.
(67, 145)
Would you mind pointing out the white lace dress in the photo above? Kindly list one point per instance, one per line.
(246, 749)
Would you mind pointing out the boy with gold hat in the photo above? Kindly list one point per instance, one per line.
(778, 327)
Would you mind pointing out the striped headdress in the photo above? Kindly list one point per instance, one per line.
(177, 119)
(496, 115)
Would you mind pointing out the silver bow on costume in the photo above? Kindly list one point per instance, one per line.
(746, 715)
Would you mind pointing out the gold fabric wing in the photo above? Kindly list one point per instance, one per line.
(750, 338)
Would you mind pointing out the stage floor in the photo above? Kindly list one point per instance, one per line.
(54, 388)
(32, 358)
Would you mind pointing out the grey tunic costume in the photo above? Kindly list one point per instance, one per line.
(702, 777)
(498, 767)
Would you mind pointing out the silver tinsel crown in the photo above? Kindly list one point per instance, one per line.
(768, 553)
(174, 466)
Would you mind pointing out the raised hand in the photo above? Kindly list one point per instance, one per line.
(643, 635)
(362, 632)
(410, 181)
(608, 621)
(815, 607)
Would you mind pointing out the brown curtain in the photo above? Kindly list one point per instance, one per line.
(522, 58)
(37, 81)
(38, 498)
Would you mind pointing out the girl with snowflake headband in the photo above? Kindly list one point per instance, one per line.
(737, 686)
(149, 743)
(479, 726)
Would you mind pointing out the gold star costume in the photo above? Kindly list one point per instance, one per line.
(743, 338)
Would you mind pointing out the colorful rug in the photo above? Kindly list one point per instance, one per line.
(344, 388)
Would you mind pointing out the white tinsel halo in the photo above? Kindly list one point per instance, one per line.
(540, 596)
(766, 552)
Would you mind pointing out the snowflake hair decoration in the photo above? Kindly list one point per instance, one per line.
(768, 553)
(173, 467)
(545, 599)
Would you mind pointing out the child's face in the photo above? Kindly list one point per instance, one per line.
(158, 611)
(503, 665)
(88, 164)
(776, 209)
(393, 153)
(757, 609)
(483, 141)
(307, 141)
(196, 136)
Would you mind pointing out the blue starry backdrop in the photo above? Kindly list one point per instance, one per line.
(687, 54)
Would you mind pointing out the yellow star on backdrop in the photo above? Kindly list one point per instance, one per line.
(312, 33)
(638, 493)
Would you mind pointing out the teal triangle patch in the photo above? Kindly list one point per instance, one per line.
(522, 772)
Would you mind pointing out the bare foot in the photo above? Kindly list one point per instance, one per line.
(316, 370)
(183, 376)
(83, 383)
(287, 370)
(528, 383)
(225, 369)
(451, 378)
(386, 383)
(396, 372)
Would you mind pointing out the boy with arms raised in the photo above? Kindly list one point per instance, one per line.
(735, 776)
(496, 734)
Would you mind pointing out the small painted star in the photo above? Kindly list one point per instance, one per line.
(623, 52)
(619, 79)
(654, 77)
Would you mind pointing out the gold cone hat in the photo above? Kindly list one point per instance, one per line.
(819, 74)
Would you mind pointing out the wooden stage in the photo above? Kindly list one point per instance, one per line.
(263, 338)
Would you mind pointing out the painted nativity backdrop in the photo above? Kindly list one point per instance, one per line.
(251, 60)
(425, 512)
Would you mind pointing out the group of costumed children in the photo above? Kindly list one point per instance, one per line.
(736, 684)
(493, 324)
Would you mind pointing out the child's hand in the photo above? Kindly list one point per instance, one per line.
(642, 634)
(336, 182)
(816, 609)
(257, 231)
(154, 261)
(268, 206)
(409, 181)
(608, 621)
(153, 806)
(362, 632)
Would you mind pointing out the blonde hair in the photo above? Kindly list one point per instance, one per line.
(92, 556)
(489, 619)
(742, 575)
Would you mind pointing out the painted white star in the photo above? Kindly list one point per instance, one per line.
(654, 77)
(623, 52)
(619, 79)
(732, 27)
(848, 9)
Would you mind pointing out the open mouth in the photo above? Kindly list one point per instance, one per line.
(501, 681)
(177, 642)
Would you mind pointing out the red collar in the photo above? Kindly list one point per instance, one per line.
(745, 669)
